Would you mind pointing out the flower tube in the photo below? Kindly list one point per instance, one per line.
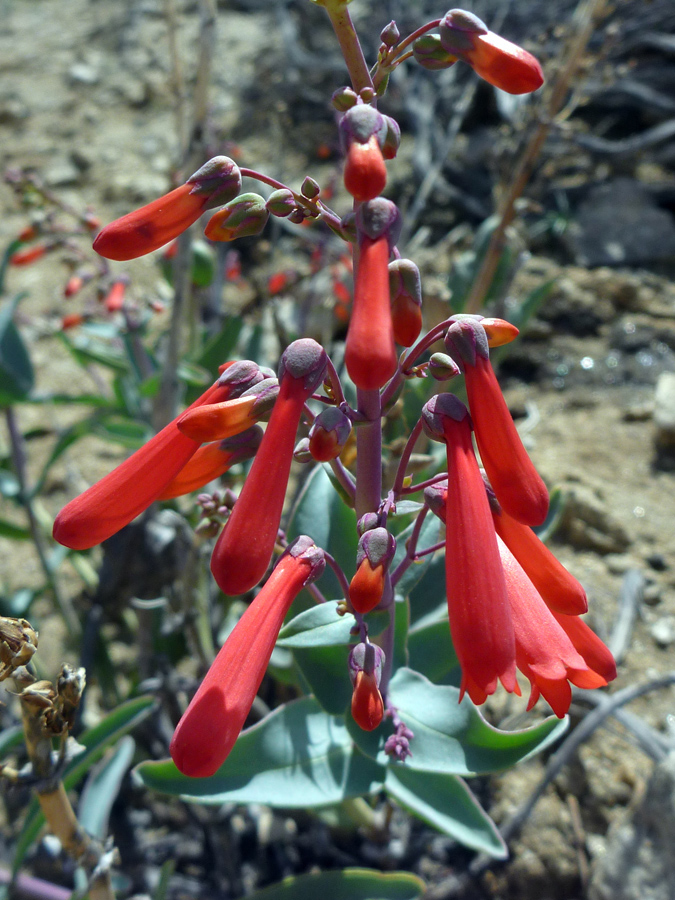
(370, 351)
(514, 479)
(211, 461)
(218, 421)
(544, 652)
(111, 503)
(478, 605)
(154, 225)
(496, 60)
(216, 715)
(244, 549)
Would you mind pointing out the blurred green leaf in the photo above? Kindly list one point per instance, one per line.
(95, 741)
(445, 802)
(429, 535)
(14, 532)
(20, 601)
(16, 370)
(452, 737)
(431, 651)
(345, 884)
(119, 430)
(222, 345)
(10, 738)
(296, 757)
(85, 349)
(326, 675)
(556, 508)
(102, 788)
(429, 594)
(11, 248)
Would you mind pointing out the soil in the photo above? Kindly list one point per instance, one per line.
(88, 102)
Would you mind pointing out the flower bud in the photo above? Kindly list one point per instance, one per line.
(429, 53)
(245, 216)
(344, 98)
(375, 551)
(368, 658)
(301, 453)
(390, 35)
(329, 434)
(310, 188)
(442, 367)
(406, 301)
(392, 138)
(435, 496)
(367, 521)
(281, 203)
(363, 131)
(365, 671)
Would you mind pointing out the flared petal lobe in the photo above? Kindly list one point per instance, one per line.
(514, 479)
(111, 503)
(544, 652)
(596, 654)
(212, 722)
(559, 589)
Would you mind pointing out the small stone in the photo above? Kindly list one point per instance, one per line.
(652, 594)
(82, 73)
(618, 563)
(663, 631)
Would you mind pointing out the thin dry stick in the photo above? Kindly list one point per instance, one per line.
(583, 22)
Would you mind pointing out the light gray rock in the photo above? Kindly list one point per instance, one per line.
(638, 861)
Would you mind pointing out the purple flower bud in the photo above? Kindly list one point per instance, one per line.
(429, 53)
(392, 138)
(329, 433)
(267, 392)
(241, 375)
(245, 216)
(437, 409)
(344, 98)
(360, 123)
(297, 216)
(368, 658)
(378, 217)
(377, 546)
(404, 279)
(303, 547)
(367, 522)
(304, 359)
(281, 203)
(435, 496)
(459, 29)
(310, 188)
(390, 35)
(466, 339)
(442, 367)
(301, 453)
(220, 177)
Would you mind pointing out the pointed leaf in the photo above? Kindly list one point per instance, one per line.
(16, 370)
(296, 757)
(325, 671)
(102, 788)
(452, 737)
(446, 803)
(347, 884)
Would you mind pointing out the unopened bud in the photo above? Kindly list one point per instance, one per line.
(367, 521)
(442, 367)
(329, 433)
(310, 188)
(435, 496)
(344, 98)
(368, 658)
(245, 216)
(392, 138)
(375, 551)
(281, 203)
(390, 35)
(430, 54)
(302, 453)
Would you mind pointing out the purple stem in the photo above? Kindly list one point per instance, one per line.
(30, 888)
(369, 454)
(405, 459)
(442, 476)
(411, 550)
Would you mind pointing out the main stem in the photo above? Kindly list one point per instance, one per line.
(369, 454)
(350, 46)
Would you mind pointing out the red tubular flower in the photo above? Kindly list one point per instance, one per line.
(218, 421)
(124, 493)
(559, 589)
(517, 484)
(478, 606)
(154, 225)
(496, 60)
(596, 655)
(544, 652)
(212, 722)
(244, 549)
(211, 461)
(29, 255)
(114, 300)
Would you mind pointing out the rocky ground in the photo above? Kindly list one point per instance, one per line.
(88, 101)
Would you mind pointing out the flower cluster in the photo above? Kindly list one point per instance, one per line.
(511, 605)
